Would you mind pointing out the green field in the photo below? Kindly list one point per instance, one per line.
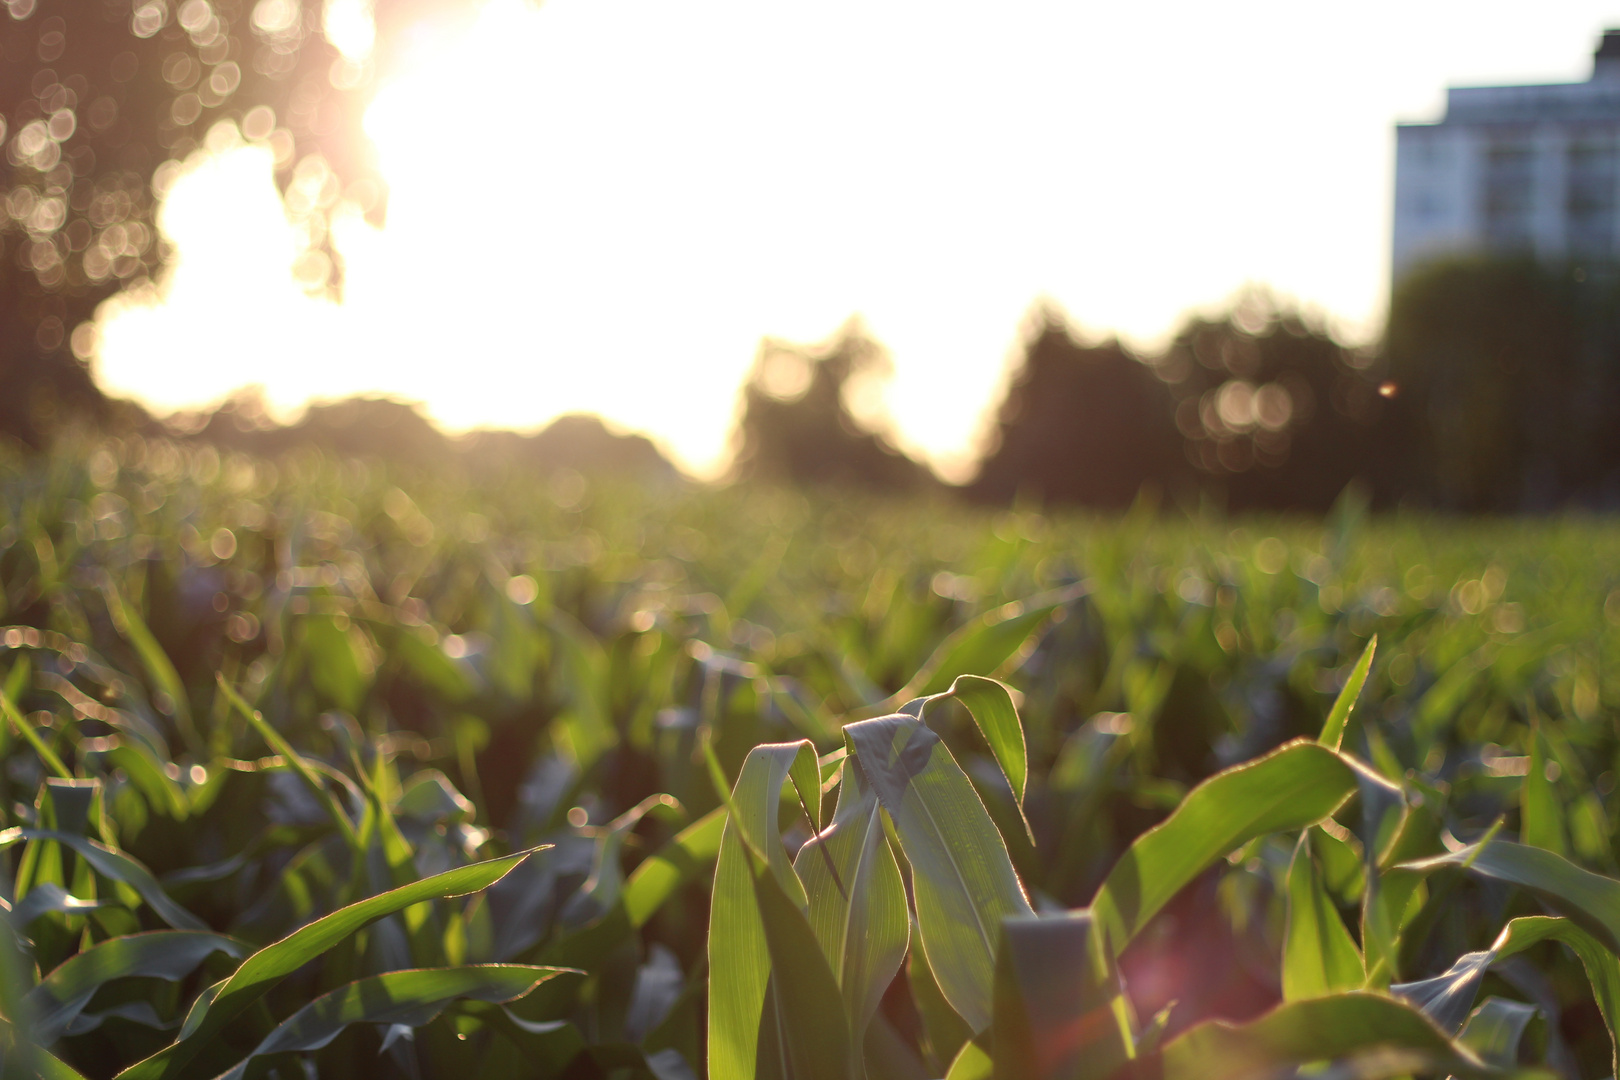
(318, 767)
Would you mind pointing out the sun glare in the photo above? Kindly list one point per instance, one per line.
(348, 26)
(604, 205)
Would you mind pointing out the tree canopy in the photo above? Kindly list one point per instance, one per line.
(101, 101)
(1259, 408)
(797, 425)
(1510, 370)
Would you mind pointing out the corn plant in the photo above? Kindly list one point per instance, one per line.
(802, 950)
(245, 697)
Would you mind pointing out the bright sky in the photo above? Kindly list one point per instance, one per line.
(603, 205)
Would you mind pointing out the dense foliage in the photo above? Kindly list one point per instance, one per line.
(310, 763)
(100, 105)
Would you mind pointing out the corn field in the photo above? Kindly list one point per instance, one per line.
(313, 767)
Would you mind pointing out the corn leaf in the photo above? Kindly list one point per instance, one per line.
(805, 1035)
(944, 1031)
(408, 999)
(127, 620)
(22, 1060)
(1448, 998)
(1388, 1036)
(740, 957)
(117, 866)
(650, 884)
(1294, 786)
(30, 734)
(276, 742)
(990, 703)
(971, 1063)
(1384, 815)
(1541, 811)
(1602, 968)
(1591, 900)
(659, 875)
(1494, 1030)
(962, 878)
(987, 642)
(1319, 956)
(160, 954)
(859, 916)
(267, 967)
(1339, 716)
(1055, 1002)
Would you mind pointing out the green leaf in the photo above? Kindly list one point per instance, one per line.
(1448, 998)
(944, 1031)
(1294, 786)
(145, 771)
(806, 775)
(1589, 899)
(659, 875)
(740, 958)
(603, 890)
(971, 1063)
(1494, 1030)
(1541, 811)
(22, 1060)
(1384, 816)
(648, 887)
(408, 998)
(805, 1035)
(117, 866)
(302, 768)
(128, 622)
(27, 731)
(1319, 956)
(267, 967)
(49, 896)
(135, 1012)
(990, 703)
(1055, 1003)
(962, 878)
(888, 1055)
(861, 924)
(161, 954)
(987, 642)
(329, 657)
(1602, 968)
(1339, 715)
(1344, 1026)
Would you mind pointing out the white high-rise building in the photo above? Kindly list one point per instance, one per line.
(1511, 169)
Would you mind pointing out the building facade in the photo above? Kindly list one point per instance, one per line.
(1514, 169)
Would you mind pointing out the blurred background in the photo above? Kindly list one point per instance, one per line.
(1242, 257)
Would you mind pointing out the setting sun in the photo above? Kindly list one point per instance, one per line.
(604, 207)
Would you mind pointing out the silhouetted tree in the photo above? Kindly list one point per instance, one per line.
(1087, 425)
(100, 100)
(1276, 414)
(1508, 374)
(398, 432)
(352, 427)
(797, 426)
(1259, 408)
(576, 441)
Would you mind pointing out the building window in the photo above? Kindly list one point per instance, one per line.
(1506, 194)
(1593, 173)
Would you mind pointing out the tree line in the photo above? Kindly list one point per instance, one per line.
(1496, 387)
